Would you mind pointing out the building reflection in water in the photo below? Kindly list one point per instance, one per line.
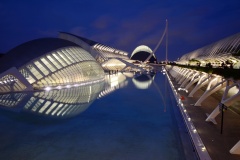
(61, 103)
(114, 82)
(143, 81)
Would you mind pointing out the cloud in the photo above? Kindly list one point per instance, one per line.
(144, 29)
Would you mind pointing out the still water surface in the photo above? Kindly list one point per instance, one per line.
(127, 117)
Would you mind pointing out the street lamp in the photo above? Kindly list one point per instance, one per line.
(222, 107)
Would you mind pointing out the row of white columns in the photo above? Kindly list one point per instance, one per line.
(187, 77)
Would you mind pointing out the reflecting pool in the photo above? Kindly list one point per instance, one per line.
(129, 116)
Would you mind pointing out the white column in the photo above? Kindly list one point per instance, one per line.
(181, 74)
(236, 148)
(189, 77)
(203, 80)
(210, 91)
(194, 80)
(226, 101)
(185, 76)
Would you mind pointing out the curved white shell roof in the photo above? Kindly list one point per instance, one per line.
(141, 48)
(142, 85)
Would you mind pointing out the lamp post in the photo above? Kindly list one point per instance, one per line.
(222, 107)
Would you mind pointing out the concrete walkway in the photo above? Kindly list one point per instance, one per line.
(218, 145)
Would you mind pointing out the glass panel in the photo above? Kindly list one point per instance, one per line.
(51, 108)
(45, 106)
(63, 108)
(59, 107)
(57, 65)
(40, 66)
(69, 56)
(58, 58)
(64, 57)
(34, 71)
(30, 102)
(72, 52)
(37, 105)
(51, 68)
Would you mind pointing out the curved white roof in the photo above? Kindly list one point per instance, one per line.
(141, 48)
(226, 46)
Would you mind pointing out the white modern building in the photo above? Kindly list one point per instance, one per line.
(225, 51)
(47, 63)
(111, 59)
(142, 53)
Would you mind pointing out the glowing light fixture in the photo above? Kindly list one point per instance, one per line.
(48, 88)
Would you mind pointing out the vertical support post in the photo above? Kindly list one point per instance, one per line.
(222, 107)
(166, 41)
(222, 120)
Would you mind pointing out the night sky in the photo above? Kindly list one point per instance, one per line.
(123, 24)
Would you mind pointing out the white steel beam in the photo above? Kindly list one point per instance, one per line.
(184, 76)
(210, 90)
(181, 73)
(188, 78)
(202, 81)
(225, 100)
(194, 79)
(235, 149)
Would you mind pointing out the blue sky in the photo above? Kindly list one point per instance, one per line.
(121, 24)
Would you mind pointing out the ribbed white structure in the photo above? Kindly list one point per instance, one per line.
(227, 49)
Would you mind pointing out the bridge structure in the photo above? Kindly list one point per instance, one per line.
(165, 34)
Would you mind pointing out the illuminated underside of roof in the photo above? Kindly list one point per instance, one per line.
(141, 53)
(141, 48)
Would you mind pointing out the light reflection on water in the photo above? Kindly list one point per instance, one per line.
(110, 120)
(69, 102)
(143, 81)
(54, 103)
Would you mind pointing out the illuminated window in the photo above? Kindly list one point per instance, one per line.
(48, 64)
(40, 66)
(59, 107)
(64, 58)
(51, 108)
(69, 56)
(37, 105)
(59, 59)
(56, 64)
(43, 108)
(30, 102)
(63, 108)
(73, 53)
(34, 71)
